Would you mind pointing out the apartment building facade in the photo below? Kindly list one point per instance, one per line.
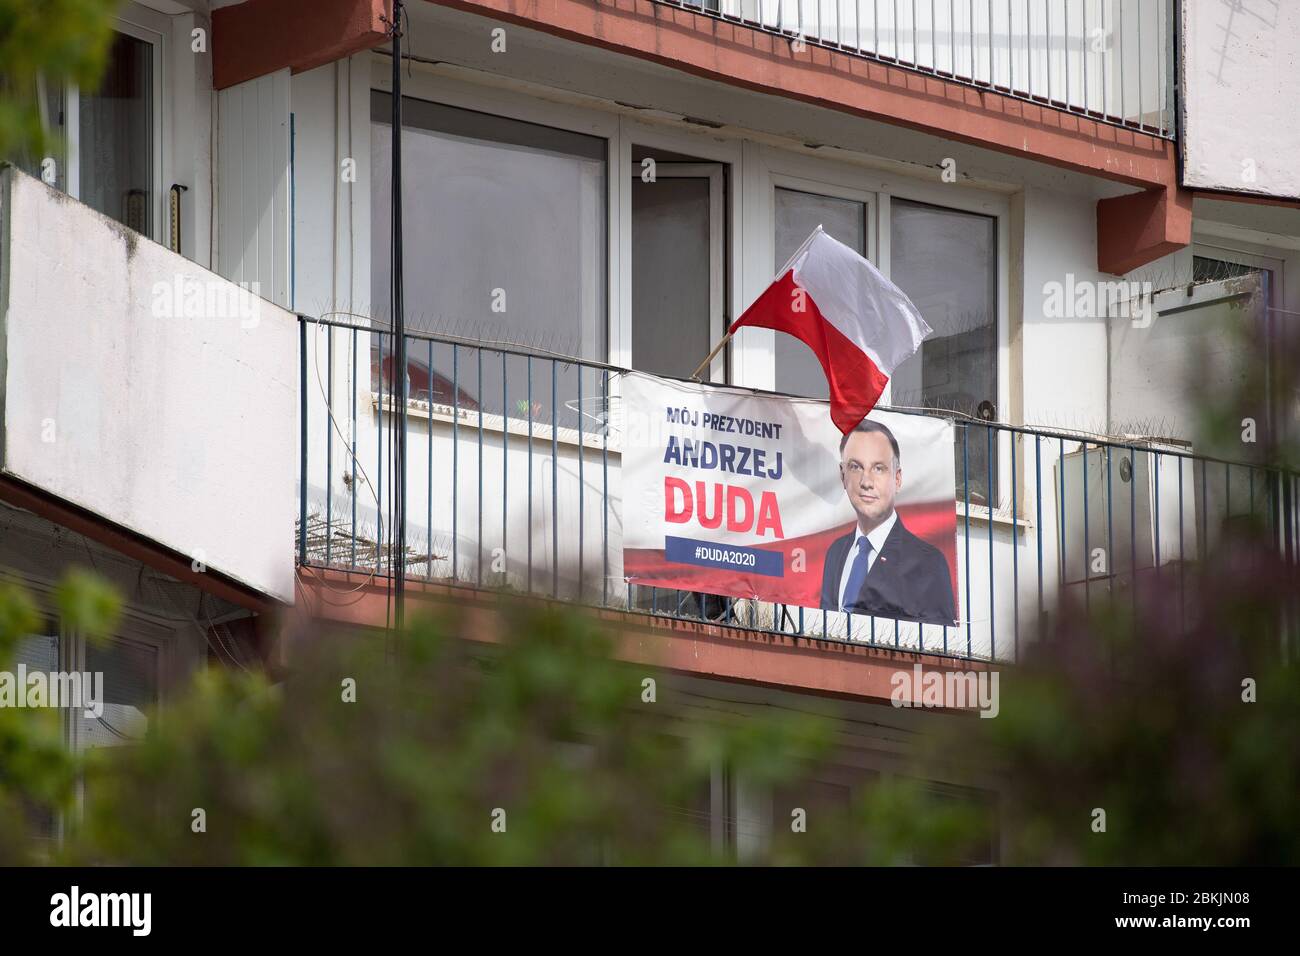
(1076, 195)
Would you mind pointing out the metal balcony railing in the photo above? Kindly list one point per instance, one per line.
(1108, 60)
(514, 481)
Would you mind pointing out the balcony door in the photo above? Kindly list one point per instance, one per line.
(678, 267)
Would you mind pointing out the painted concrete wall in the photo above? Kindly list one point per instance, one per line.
(147, 390)
(1241, 83)
(253, 189)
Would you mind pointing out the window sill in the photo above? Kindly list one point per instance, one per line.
(1000, 517)
(418, 410)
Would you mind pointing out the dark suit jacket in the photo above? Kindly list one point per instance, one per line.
(909, 580)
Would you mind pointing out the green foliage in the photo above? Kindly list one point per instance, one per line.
(542, 722)
(57, 40)
(37, 772)
(536, 717)
(1142, 715)
(88, 604)
(18, 616)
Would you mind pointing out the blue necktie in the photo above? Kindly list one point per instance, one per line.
(857, 574)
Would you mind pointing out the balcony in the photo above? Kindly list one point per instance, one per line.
(1101, 59)
(514, 482)
(144, 393)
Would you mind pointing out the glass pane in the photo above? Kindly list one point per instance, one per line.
(504, 241)
(36, 652)
(116, 137)
(50, 104)
(946, 262)
(670, 275)
(797, 215)
(130, 689)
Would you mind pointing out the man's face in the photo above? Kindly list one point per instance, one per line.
(869, 477)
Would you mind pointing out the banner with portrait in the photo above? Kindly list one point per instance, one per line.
(731, 492)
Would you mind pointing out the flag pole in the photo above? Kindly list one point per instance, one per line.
(711, 356)
(727, 338)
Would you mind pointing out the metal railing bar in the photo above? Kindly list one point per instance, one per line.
(1060, 502)
(965, 470)
(505, 465)
(302, 440)
(1110, 527)
(352, 465)
(329, 443)
(581, 491)
(1155, 549)
(379, 465)
(993, 645)
(1182, 560)
(1087, 551)
(1015, 558)
(1038, 504)
(428, 518)
(455, 461)
(555, 482)
(1132, 531)
(478, 390)
(604, 485)
(529, 362)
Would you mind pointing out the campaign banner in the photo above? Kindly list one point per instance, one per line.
(731, 492)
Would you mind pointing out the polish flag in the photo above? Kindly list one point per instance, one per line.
(860, 325)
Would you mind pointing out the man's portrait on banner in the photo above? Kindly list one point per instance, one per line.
(881, 568)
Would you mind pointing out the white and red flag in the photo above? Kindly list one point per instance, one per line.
(860, 325)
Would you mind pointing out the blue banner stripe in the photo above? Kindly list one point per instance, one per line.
(730, 557)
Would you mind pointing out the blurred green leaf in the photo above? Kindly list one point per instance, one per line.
(88, 604)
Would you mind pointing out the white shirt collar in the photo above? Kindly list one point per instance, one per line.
(877, 536)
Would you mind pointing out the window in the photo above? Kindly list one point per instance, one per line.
(946, 262)
(504, 241)
(678, 264)
(38, 652)
(130, 672)
(115, 137)
(797, 214)
(1206, 269)
(130, 692)
(130, 687)
(109, 132)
